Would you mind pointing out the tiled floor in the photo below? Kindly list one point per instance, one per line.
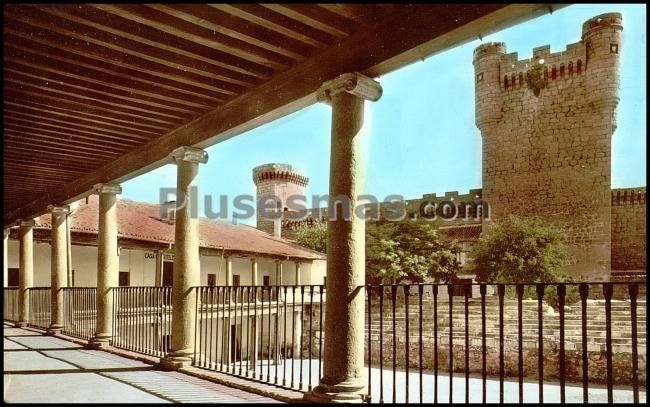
(40, 368)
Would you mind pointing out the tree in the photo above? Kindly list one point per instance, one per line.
(313, 237)
(408, 250)
(396, 251)
(516, 250)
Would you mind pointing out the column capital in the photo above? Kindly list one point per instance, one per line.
(191, 154)
(27, 222)
(59, 209)
(353, 83)
(107, 188)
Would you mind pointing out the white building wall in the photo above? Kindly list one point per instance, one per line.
(84, 265)
(141, 265)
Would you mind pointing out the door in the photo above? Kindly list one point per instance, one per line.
(168, 274)
(124, 279)
(233, 343)
(12, 277)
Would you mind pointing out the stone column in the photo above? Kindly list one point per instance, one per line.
(297, 275)
(296, 329)
(228, 271)
(68, 250)
(187, 270)
(107, 262)
(296, 320)
(343, 360)
(26, 270)
(59, 262)
(5, 259)
(278, 278)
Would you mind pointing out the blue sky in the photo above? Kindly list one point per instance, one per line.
(423, 137)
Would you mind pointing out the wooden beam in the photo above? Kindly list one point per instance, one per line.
(68, 94)
(26, 106)
(24, 95)
(131, 91)
(377, 51)
(318, 17)
(39, 129)
(227, 24)
(150, 16)
(52, 81)
(18, 113)
(44, 21)
(67, 131)
(268, 18)
(72, 147)
(121, 71)
(120, 58)
(105, 21)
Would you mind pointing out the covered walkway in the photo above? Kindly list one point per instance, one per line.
(39, 368)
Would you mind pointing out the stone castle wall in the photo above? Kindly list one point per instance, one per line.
(547, 124)
(629, 229)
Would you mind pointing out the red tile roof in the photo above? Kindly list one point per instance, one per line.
(141, 221)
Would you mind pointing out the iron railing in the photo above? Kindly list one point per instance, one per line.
(555, 342)
(10, 309)
(79, 312)
(271, 334)
(40, 301)
(142, 319)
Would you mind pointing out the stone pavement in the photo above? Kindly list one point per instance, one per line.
(39, 368)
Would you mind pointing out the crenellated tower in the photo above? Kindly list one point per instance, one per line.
(546, 124)
(276, 182)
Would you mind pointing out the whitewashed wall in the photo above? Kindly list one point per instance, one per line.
(141, 265)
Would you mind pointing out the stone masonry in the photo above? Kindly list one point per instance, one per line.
(629, 229)
(547, 124)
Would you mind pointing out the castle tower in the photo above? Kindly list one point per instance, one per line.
(546, 124)
(276, 182)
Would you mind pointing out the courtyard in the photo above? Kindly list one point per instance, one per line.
(66, 372)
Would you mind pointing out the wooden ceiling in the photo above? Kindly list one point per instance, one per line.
(100, 93)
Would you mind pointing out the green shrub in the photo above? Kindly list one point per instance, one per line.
(517, 250)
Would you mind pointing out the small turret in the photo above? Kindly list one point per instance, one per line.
(602, 38)
(487, 59)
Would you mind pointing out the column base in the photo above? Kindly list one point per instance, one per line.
(344, 392)
(20, 324)
(99, 342)
(176, 360)
(54, 330)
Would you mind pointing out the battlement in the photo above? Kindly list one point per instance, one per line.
(600, 39)
(628, 196)
(602, 21)
(555, 65)
(278, 172)
(473, 194)
(489, 48)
